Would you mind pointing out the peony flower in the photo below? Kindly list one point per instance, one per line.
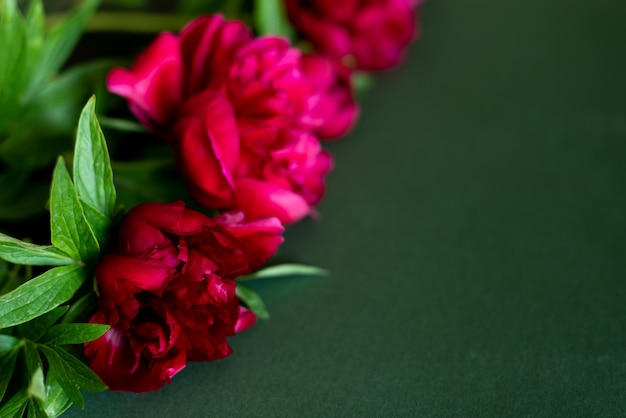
(175, 67)
(363, 34)
(241, 114)
(168, 292)
(282, 177)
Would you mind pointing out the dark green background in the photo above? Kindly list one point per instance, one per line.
(475, 230)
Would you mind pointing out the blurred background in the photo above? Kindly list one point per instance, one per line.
(473, 226)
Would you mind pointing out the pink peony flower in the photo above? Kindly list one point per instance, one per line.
(242, 114)
(168, 292)
(363, 34)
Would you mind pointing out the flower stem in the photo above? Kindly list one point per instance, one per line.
(139, 22)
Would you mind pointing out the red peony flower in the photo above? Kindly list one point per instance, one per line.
(242, 114)
(282, 177)
(363, 34)
(175, 67)
(168, 292)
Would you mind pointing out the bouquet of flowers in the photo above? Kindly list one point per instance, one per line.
(129, 224)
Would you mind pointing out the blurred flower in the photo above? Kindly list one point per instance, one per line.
(337, 107)
(363, 34)
(168, 292)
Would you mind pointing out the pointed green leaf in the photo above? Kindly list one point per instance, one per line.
(270, 18)
(33, 330)
(64, 374)
(82, 374)
(253, 301)
(73, 333)
(99, 224)
(35, 22)
(71, 373)
(122, 125)
(20, 252)
(40, 295)
(35, 409)
(59, 44)
(7, 365)
(36, 387)
(69, 228)
(12, 56)
(34, 30)
(93, 176)
(33, 361)
(285, 270)
(56, 401)
(15, 407)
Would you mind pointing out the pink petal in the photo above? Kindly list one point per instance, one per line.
(258, 199)
(246, 319)
(262, 237)
(153, 86)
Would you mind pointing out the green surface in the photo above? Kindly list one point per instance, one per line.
(474, 228)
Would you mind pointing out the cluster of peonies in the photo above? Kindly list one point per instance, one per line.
(245, 116)
(168, 291)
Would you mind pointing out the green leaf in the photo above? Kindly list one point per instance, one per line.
(69, 228)
(285, 270)
(99, 224)
(15, 407)
(81, 310)
(35, 409)
(34, 31)
(93, 176)
(12, 56)
(40, 295)
(82, 374)
(71, 373)
(33, 361)
(7, 365)
(56, 402)
(73, 333)
(20, 252)
(7, 343)
(36, 386)
(33, 330)
(122, 125)
(270, 18)
(35, 20)
(253, 301)
(59, 44)
(64, 375)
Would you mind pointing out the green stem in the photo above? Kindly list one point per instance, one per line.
(139, 22)
(121, 125)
